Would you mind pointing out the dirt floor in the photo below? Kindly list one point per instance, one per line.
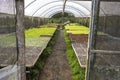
(57, 65)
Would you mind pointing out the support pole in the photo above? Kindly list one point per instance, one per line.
(92, 36)
(20, 39)
(64, 7)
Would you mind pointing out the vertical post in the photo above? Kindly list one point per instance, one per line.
(105, 23)
(82, 21)
(20, 36)
(92, 35)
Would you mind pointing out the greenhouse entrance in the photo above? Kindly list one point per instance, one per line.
(57, 65)
(59, 40)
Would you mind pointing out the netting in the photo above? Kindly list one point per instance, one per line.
(8, 50)
(106, 63)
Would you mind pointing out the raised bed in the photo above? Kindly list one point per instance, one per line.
(79, 38)
(36, 41)
(80, 51)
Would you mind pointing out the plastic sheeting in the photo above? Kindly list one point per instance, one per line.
(39, 8)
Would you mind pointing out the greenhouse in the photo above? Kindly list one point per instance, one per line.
(59, 40)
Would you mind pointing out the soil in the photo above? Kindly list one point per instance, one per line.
(8, 56)
(32, 54)
(57, 65)
(81, 52)
(45, 36)
(79, 38)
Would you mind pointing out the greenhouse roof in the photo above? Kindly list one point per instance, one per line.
(48, 8)
(79, 8)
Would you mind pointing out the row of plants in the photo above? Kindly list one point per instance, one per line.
(32, 36)
(36, 32)
(35, 70)
(77, 71)
(75, 28)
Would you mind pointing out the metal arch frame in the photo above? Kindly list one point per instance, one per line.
(59, 1)
(88, 9)
(60, 8)
(54, 2)
(67, 11)
(64, 7)
(58, 12)
(30, 4)
(79, 12)
(67, 6)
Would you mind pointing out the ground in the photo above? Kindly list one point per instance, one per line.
(57, 65)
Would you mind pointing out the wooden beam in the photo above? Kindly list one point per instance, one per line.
(93, 25)
(105, 52)
(20, 36)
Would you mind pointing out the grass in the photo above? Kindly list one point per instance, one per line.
(76, 29)
(77, 71)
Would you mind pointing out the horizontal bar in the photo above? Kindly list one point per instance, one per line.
(105, 52)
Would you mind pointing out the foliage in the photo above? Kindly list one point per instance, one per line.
(76, 29)
(36, 32)
(59, 15)
(77, 71)
(33, 35)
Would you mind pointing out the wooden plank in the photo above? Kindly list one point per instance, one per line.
(105, 52)
(20, 38)
(80, 50)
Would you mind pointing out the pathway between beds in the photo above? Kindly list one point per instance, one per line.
(57, 65)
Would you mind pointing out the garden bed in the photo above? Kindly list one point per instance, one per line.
(78, 72)
(79, 39)
(8, 56)
(36, 40)
(38, 65)
(80, 51)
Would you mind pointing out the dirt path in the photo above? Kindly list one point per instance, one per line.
(57, 65)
